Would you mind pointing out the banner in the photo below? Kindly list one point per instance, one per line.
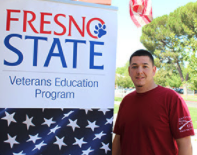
(57, 77)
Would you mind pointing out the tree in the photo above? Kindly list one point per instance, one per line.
(168, 38)
(193, 71)
(174, 81)
(123, 70)
(189, 19)
(122, 77)
(124, 82)
(160, 77)
(166, 78)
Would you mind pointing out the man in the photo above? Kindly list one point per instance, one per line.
(152, 120)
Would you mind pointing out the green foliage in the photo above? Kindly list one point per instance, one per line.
(174, 81)
(193, 71)
(122, 77)
(160, 77)
(124, 81)
(167, 78)
(123, 70)
(171, 39)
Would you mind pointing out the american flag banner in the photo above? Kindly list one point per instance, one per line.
(57, 76)
(141, 12)
(55, 131)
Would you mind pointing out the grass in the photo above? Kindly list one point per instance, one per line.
(186, 98)
(116, 107)
(193, 113)
(190, 97)
(118, 99)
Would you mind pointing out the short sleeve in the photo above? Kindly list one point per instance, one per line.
(180, 119)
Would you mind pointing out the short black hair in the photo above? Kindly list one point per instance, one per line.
(142, 52)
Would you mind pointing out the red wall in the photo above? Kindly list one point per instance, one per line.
(103, 2)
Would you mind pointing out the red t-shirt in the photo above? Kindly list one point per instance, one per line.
(148, 123)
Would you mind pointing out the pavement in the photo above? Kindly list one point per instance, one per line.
(193, 138)
(194, 142)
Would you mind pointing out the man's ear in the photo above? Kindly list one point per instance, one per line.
(154, 70)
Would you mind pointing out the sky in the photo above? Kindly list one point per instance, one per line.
(128, 36)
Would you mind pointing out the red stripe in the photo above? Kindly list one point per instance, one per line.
(132, 15)
(134, 2)
(145, 6)
(145, 16)
(135, 5)
(145, 12)
(136, 22)
(147, 19)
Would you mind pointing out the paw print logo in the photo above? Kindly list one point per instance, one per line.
(100, 30)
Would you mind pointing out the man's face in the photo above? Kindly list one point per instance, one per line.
(141, 71)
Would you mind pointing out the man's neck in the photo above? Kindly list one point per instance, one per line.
(144, 89)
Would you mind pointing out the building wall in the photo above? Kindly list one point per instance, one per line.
(103, 2)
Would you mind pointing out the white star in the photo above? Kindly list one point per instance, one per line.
(105, 147)
(11, 140)
(28, 122)
(39, 145)
(73, 124)
(98, 136)
(20, 153)
(79, 142)
(92, 125)
(54, 129)
(48, 122)
(109, 121)
(86, 152)
(9, 118)
(67, 114)
(104, 110)
(33, 138)
(60, 142)
(87, 109)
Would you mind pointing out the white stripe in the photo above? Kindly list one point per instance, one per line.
(148, 9)
(139, 2)
(140, 20)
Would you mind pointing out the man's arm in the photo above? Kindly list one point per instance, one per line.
(184, 146)
(116, 145)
